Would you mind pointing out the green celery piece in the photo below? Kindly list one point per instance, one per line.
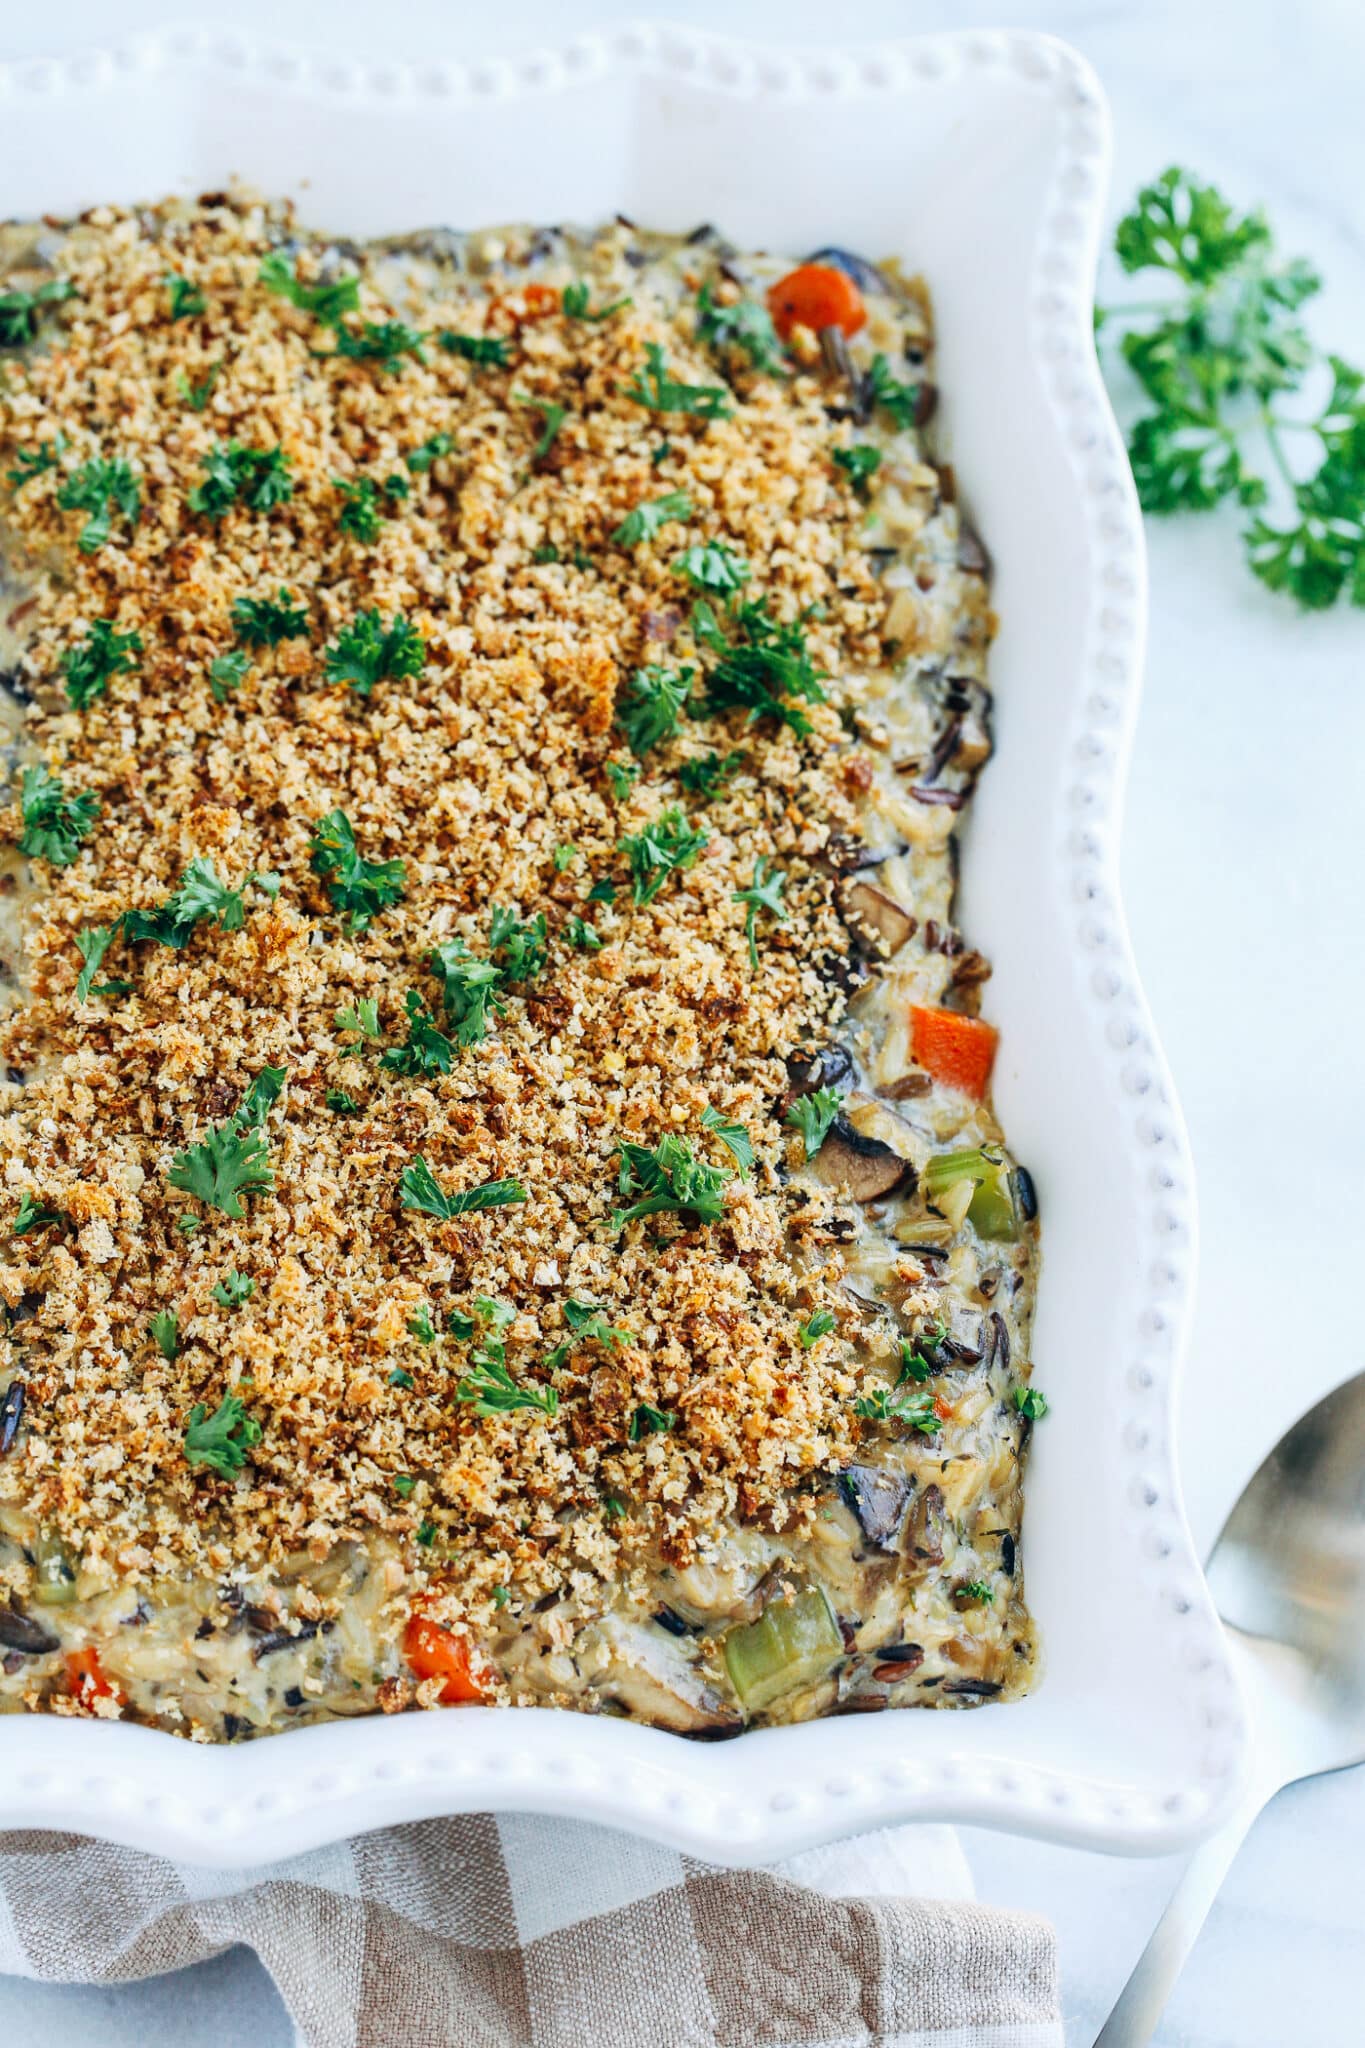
(793, 1642)
(991, 1212)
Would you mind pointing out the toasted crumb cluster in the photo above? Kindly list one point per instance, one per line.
(485, 773)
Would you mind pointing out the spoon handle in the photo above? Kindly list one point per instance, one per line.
(1143, 1998)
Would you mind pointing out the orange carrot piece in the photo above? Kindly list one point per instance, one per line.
(86, 1678)
(957, 1050)
(816, 295)
(433, 1652)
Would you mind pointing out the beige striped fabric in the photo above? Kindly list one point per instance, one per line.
(519, 1932)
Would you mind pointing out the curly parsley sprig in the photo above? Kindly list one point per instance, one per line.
(1219, 355)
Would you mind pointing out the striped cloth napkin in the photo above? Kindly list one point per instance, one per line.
(520, 1932)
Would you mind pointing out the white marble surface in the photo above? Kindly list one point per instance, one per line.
(1246, 888)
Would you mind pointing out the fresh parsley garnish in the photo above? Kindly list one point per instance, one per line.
(55, 824)
(900, 402)
(650, 708)
(21, 311)
(762, 663)
(164, 1330)
(200, 896)
(358, 887)
(421, 1326)
(233, 1289)
(361, 514)
(859, 463)
(1217, 357)
(428, 1051)
(264, 621)
(326, 302)
(552, 418)
(564, 856)
(103, 653)
(815, 1327)
(228, 1162)
(419, 460)
(469, 989)
(733, 1136)
(186, 299)
(623, 776)
(362, 1017)
(812, 1115)
(666, 846)
(257, 478)
(746, 325)
(368, 652)
(419, 1189)
(401, 1377)
(602, 892)
(33, 1215)
(655, 387)
(712, 565)
(899, 1404)
(221, 1440)
(31, 462)
(582, 936)
(918, 1354)
(102, 490)
(587, 1324)
(489, 1388)
(763, 893)
(707, 776)
(341, 1102)
(668, 1176)
(228, 672)
(197, 396)
(975, 1589)
(403, 1485)
(650, 518)
(1031, 1402)
(92, 944)
(486, 349)
(522, 942)
(576, 306)
(385, 342)
(647, 1421)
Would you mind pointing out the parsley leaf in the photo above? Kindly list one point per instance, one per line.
(659, 390)
(428, 1051)
(812, 1115)
(587, 1324)
(899, 1404)
(197, 396)
(362, 1017)
(257, 478)
(522, 943)
(815, 1327)
(201, 895)
(490, 1389)
(341, 1103)
(103, 653)
(385, 342)
(763, 893)
(326, 302)
(564, 856)
(360, 888)
(186, 298)
(762, 663)
(233, 1289)
(665, 846)
(221, 1440)
(485, 349)
(552, 418)
(746, 326)
(667, 1176)
(733, 1136)
(900, 402)
(649, 710)
(20, 311)
(92, 944)
(650, 518)
(713, 565)
(55, 824)
(102, 489)
(1031, 1402)
(263, 622)
(859, 463)
(622, 775)
(164, 1330)
(419, 1189)
(368, 652)
(361, 515)
(421, 459)
(31, 462)
(974, 1589)
(469, 989)
(421, 1326)
(647, 1421)
(707, 775)
(227, 1163)
(585, 938)
(228, 672)
(33, 1215)
(575, 303)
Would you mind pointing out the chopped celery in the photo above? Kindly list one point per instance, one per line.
(794, 1641)
(992, 1211)
(55, 1585)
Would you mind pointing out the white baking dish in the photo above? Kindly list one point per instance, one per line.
(981, 159)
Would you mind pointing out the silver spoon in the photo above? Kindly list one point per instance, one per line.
(1288, 1577)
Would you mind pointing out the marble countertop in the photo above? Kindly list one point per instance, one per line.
(1245, 884)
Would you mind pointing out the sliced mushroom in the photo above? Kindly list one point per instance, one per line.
(878, 912)
(869, 1169)
(19, 1631)
(865, 275)
(11, 1414)
(877, 1500)
(926, 1528)
(647, 1673)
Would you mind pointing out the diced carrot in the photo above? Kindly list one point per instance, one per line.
(86, 1678)
(539, 300)
(957, 1050)
(816, 295)
(433, 1652)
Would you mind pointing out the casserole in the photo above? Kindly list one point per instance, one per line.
(1104, 1750)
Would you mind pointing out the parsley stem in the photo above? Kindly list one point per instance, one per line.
(1276, 447)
